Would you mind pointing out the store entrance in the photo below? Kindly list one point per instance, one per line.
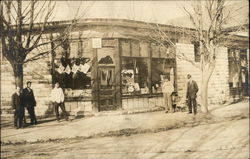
(238, 73)
(106, 86)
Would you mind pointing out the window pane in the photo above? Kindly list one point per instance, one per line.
(87, 49)
(161, 68)
(108, 43)
(144, 49)
(79, 75)
(125, 45)
(155, 50)
(135, 48)
(106, 56)
(58, 49)
(164, 51)
(73, 49)
(134, 76)
(106, 78)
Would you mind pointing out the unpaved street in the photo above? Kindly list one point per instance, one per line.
(228, 139)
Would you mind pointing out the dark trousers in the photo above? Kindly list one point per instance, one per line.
(62, 106)
(18, 118)
(192, 104)
(31, 111)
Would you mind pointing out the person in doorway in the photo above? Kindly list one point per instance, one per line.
(167, 89)
(17, 105)
(30, 102)
(192, 89)
(57, 98)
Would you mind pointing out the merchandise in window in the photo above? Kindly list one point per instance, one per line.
(73, 73)
(134, 76)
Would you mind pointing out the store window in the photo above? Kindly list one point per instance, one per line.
(72, 68)
(136, 62)
(134, 76)
(161, 69)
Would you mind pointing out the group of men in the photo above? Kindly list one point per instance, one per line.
(21, 100)
(191, 94)
(25, 98)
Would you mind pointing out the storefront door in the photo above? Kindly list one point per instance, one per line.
(106, 86)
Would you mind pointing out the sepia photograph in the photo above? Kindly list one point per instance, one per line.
(129, 79)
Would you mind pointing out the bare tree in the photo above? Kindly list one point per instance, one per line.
(209, 19)
(23, 30)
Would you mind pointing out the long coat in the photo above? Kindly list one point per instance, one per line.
(28, 98)
(192, 89)
(16, 101)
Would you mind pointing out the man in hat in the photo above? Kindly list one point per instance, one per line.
(30, 102)
(17, 105)
(192, 89)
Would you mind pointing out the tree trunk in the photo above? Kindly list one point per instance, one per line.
(206, 74)
(204, 93)
(18, 74)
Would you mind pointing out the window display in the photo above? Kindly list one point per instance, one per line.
(73, 64)
(134, 76)
(73, 73)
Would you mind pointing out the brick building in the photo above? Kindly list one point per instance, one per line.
(111, 64)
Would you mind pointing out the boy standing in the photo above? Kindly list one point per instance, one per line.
(57, 97)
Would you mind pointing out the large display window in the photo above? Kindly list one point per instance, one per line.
(134, 76)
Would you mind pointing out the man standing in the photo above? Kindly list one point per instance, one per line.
(57, 97)
(17, 105)
(167, 89)
(192, 89)
(30, 102)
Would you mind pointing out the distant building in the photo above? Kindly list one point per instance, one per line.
(111, 64)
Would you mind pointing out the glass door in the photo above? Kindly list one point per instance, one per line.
(106, 88)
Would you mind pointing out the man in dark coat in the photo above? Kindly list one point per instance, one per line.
(30, 102)
(17, 105)
(192, 89)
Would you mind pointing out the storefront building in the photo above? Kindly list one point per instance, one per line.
(107, 64)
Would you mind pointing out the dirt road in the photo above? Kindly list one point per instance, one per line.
(227, 139)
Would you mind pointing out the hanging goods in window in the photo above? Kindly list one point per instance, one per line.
(61, 69)
(67, 70)
(75, 68)
(84, 68)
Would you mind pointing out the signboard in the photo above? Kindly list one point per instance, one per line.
(97, 43)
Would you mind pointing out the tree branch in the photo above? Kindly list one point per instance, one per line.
(31, 23)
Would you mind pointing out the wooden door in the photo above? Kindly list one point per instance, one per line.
(106, 86)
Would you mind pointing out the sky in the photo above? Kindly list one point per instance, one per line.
(149, 11)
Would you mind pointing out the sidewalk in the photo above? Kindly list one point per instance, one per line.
(106, 125)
